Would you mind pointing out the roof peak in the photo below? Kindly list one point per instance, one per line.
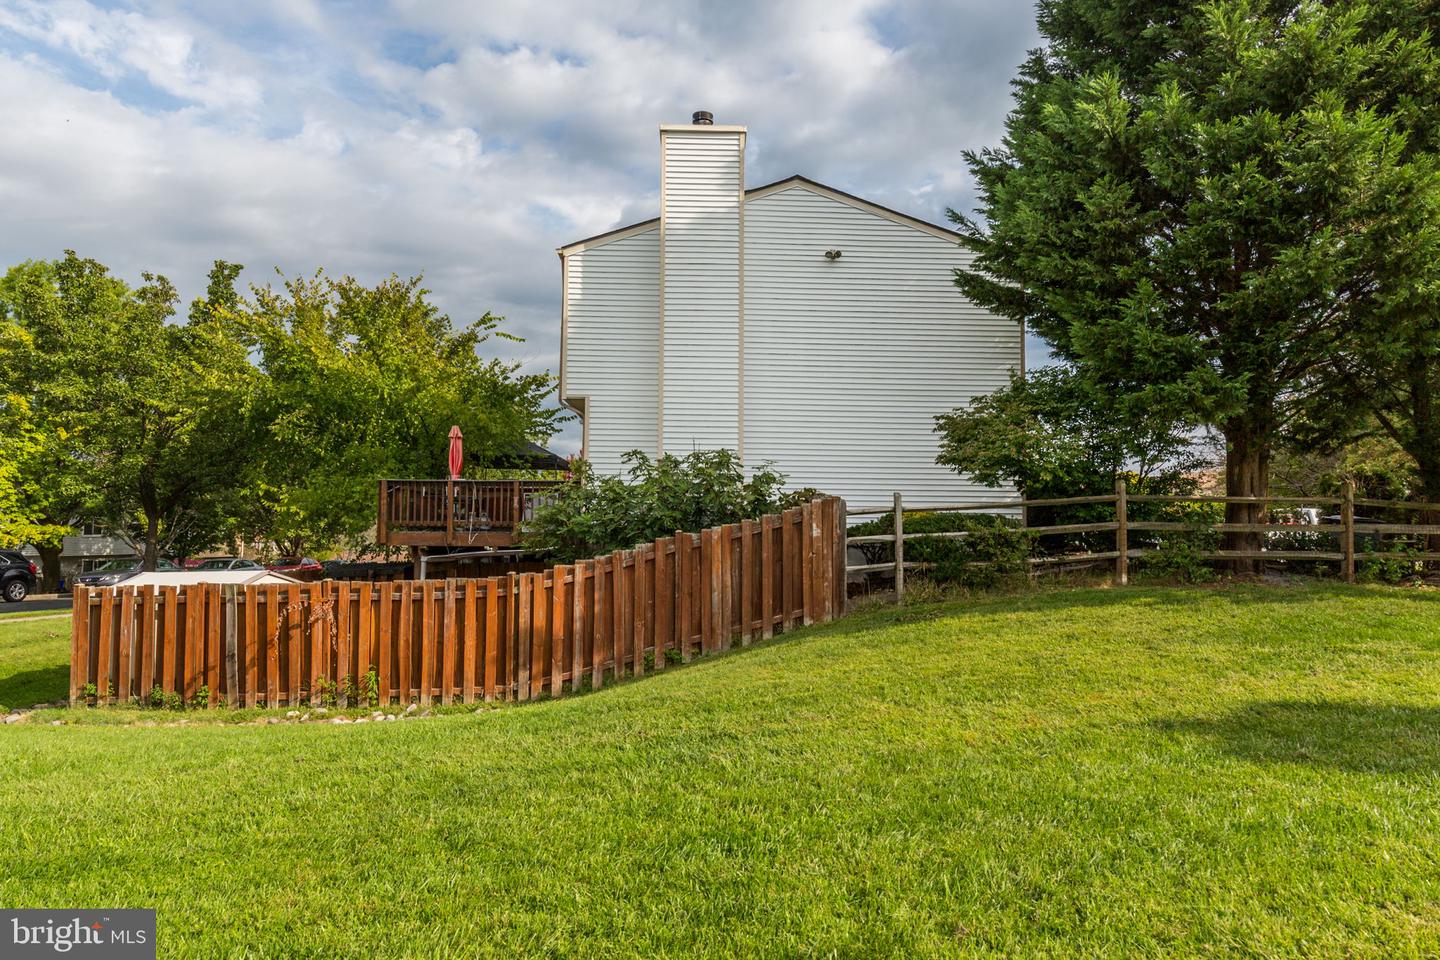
(774, 187)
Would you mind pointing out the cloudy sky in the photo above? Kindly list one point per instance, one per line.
(462, 140)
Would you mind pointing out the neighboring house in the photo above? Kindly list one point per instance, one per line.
(790, 322)
(85, 550)
(91, 547)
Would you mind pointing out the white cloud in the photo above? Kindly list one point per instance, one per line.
(462, 140)
(115, 42)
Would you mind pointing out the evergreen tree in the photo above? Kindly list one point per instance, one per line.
(1195, 203)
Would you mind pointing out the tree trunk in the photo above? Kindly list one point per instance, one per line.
(151, 557)
(1429, 472)
(49, 568)
(1247, 474)
(1425, 434)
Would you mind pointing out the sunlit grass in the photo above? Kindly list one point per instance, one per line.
(1154, 772)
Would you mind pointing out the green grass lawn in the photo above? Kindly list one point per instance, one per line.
(22, 612)
(1245, 770)
(34, 660)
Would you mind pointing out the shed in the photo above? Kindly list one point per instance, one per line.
(182, 578)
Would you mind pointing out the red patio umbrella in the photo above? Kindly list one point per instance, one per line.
(457, 452)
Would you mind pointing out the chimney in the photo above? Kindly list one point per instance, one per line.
(702, 221)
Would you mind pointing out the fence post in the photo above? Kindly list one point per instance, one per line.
(1122, 533)
(382, 520)
(1347, 535)
(449, 511)
(80, 644)
(1031, 570)
(232, 659)
(899, 549)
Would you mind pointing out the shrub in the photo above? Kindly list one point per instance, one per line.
(1396, 565)
(594, 514)
(798, 498)
(1055, 432)
(1181, 555)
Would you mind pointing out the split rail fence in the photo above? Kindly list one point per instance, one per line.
(457, 640)
(1347, 531)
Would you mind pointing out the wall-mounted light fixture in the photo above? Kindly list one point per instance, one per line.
(832, 255)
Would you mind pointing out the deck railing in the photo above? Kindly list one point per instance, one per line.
(460, 508)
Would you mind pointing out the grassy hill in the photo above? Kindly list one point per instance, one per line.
(1163, 772)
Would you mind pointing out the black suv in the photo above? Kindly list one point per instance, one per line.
(17, 576)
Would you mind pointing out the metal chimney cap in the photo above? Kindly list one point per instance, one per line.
(702, 118)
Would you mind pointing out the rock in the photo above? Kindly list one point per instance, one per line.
(412, 708)
(41, 706)
(291, 714)
(272, 720)
(322, 710)
(14, 717)
(340, 720)
(377, 715)
(57, 723)
(427, 713)
(391, 716)
(362, 719)
(304, 716)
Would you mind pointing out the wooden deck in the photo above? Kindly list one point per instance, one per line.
(456, 513)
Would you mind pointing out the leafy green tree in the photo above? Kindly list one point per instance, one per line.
(142, 423)
(23, 517)
(1195, 203)
(595, 514)
(45, 490)
(1383, 380)
(1051, 433)
(362, 383)
(1377, 464)
(1389, 368)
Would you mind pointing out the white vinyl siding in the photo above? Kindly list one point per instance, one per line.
(612, 296)
(702, 181)
(847, 362)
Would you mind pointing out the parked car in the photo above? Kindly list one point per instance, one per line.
(296, 565)
(116, 571)
(305, 569)
(18, 576)
(226, 563)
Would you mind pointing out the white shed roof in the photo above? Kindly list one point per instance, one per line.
(181, 578)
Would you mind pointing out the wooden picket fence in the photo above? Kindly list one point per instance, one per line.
(446, 641)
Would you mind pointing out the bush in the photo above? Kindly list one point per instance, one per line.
(1396, 565)
(593, 514)
(798, 498)
(994, 547)
(1181, 555)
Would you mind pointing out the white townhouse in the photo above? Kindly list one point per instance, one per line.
(790, 322)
